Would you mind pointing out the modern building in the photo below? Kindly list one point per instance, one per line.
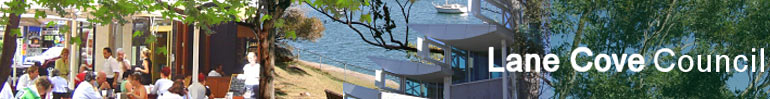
(461, 69)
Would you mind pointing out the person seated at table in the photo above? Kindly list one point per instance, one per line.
(59, 85)
(177, 91)
(42, 90)
(162, 84)
(28, 79)
(126, 83)
(134, 88)
(216, 71)
(199, 90)
(101, 78)
(86, 89)
(181, 78)
(7, 92)
(80, 77)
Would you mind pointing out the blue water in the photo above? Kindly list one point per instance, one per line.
(342, 43)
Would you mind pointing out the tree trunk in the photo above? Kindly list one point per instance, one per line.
(266, 37)
(9, 47)
(266, 59)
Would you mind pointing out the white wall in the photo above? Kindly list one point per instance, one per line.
(126, 36)
(102, 39)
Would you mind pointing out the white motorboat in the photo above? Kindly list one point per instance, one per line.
(450, 8)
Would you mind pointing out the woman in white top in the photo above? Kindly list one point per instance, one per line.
(176, 91)
(251, 71)
(164, 83)
(59, 85)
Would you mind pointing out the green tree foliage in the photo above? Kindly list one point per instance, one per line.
(310, 29)
(692, 27)
(297, 27)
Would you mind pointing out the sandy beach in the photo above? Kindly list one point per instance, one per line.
(308, 80)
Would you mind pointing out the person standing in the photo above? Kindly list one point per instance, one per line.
(144, 68)
(27, 80)
(42, 90)
(125, 64)
(62, 64)
(111, 66)
(251, 72)
(162, 84)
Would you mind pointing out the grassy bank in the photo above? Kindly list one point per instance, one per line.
(307, 80)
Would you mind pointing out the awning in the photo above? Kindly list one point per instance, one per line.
(413, 70)
(163, 29)
(245, 31)
(472, 37)
(360, 91)
(30, 20)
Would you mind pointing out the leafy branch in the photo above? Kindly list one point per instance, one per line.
(376, 21)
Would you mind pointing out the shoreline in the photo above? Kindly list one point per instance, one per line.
(369, 79)
(333, 68)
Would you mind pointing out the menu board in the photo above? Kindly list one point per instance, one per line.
(237, 86)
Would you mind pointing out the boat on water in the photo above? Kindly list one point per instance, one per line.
(450, 8)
